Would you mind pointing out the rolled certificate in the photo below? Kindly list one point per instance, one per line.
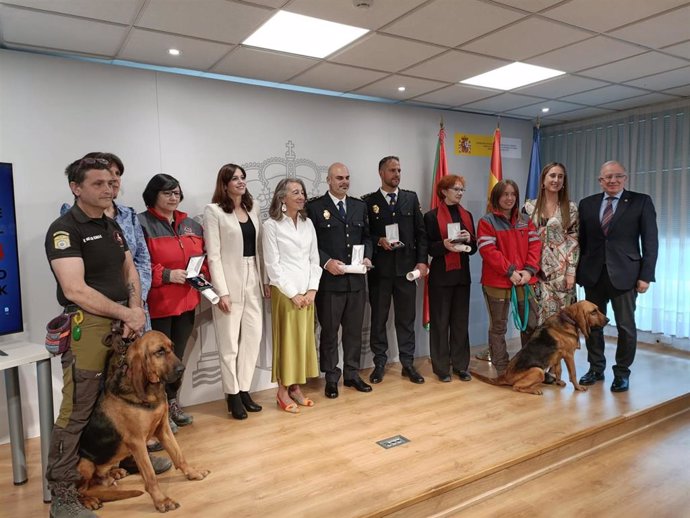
(211, 295)
(413, 275)
(462, 248)
(354, 268)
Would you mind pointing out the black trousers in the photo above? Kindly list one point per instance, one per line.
(178, 329)
(336, 309)
(404, 294)
(449, 311)
(623, 303)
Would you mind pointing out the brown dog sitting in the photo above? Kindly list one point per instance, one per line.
(555, 340)
(132, 409)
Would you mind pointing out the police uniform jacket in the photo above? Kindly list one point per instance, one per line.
(408, 215)
(336, 237)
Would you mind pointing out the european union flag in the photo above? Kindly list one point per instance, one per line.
(534, 165)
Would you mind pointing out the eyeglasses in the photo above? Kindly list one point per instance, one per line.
(461, 190)
(612, 178)
(171, 194)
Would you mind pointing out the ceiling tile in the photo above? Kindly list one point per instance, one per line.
(586, 54)
(526, 38)
(636, 66)
(456, 95)
(603, 16)
(385, 53)
(604, 95)
(533, 6)
(218, 20)
(585, 113)
(388, 87)
(152, 47)
(380, 13)
(454, 66)
(450, 23)
(660, 31)
(560, 86)
(555, 107)
(683, 91)
(341, 78)
(60, 32)
(502, 103)
(639, 101)
(262, 64)
(270, 3)
(682, 49)
(122, 11)
(663, 81)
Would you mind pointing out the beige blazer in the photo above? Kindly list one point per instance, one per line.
(224, 246)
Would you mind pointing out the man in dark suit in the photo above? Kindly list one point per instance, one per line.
(618, 252)
(341, 223)
(386, 206)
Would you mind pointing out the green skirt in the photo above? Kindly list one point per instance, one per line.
(294, 345)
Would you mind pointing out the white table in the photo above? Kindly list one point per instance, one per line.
(23, 353)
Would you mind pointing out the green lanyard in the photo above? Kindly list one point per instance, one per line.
(520, 325)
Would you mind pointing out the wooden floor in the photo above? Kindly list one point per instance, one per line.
(474, 450)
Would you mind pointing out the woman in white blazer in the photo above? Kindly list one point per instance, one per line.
(232, 231)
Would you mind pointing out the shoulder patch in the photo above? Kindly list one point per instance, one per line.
(365, 196)
(61, 240)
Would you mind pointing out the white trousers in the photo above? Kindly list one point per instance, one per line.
(238, 333)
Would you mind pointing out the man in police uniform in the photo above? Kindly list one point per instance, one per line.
(340, 222)
(387, 206)
(96, 277)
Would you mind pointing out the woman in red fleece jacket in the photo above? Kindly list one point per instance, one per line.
(172, 238)
(511, 253)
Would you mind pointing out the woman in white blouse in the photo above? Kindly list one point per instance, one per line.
(232, 232)
(291, 258)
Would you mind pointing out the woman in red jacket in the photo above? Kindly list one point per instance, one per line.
(511, 253)
(172, 238)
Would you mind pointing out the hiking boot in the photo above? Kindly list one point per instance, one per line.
(65, 503)
(484, 355)
(177, 415)
(173, 426)
(160, 464)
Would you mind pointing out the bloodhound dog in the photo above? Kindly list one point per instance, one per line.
(555, 340)
(132, 409)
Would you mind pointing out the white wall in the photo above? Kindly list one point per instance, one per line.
(54, 110)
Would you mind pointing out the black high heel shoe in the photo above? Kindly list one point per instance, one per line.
(248, 402)
(235, 406)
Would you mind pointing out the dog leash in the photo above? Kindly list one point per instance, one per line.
(521, 325)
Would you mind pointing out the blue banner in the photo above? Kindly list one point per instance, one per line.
(534, 166)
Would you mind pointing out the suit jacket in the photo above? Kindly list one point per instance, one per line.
(438, 276)
(408, 216)
(336, 237)
(224, 247)
(630, 249)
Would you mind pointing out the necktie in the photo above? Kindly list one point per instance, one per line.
(391, 201)
(607, 216)
(341, 209)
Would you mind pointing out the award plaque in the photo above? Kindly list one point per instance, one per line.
(393, 236)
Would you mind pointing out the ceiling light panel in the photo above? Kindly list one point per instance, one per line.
(512, 76)
(303, 35)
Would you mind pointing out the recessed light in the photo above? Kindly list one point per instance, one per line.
(545, 109)
(304, 35)
(401, 89)
(173, 52)
(512, 76)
